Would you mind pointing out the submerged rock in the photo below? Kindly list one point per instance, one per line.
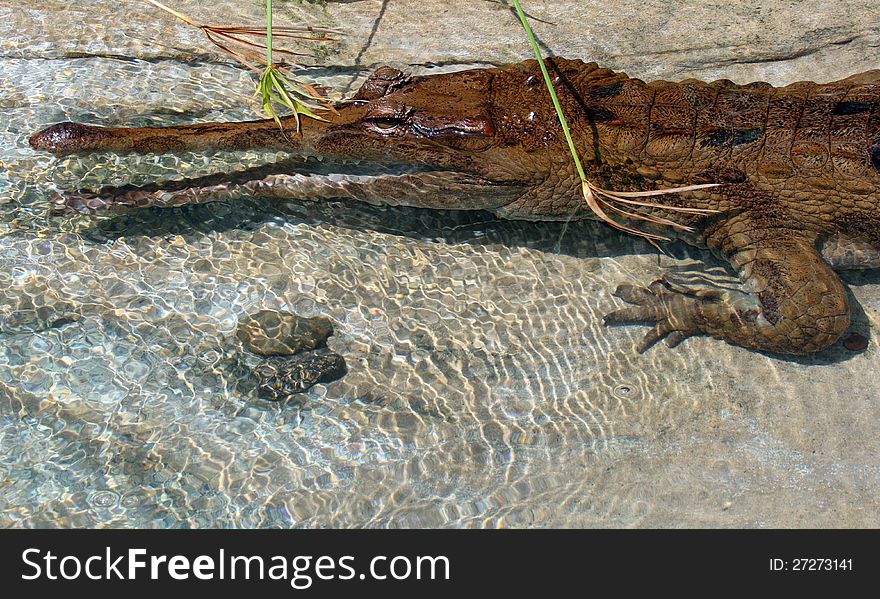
(280, 377)
(273, 333)
(294, 347)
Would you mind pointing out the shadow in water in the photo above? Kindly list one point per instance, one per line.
(579, 239)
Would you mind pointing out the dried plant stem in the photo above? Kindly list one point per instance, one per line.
(179, 15)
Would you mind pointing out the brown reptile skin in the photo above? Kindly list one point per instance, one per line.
(799, 168)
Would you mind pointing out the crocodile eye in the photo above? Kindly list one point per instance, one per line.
(384, 124)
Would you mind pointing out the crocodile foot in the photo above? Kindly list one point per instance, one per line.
(676, 315)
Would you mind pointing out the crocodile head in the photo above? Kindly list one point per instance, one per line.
(480, 139)
(489, 132)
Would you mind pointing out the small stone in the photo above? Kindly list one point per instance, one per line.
(272, 333)
(855, 342)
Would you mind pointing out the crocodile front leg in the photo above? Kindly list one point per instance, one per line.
(792, 303)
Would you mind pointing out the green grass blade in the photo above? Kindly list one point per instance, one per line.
(269, 34)
(550, 88)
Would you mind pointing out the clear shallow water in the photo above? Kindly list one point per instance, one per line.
(482, 389)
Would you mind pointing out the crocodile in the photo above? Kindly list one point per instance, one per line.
(782, 183)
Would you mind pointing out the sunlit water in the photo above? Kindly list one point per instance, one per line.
(482, 389)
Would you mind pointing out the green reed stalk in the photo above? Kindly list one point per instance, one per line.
(269, 33)
(275, 87)
(277, 84)
(550, 88)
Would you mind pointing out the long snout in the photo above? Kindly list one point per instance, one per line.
(69, 138)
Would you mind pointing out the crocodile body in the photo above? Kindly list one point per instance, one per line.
(797, 168)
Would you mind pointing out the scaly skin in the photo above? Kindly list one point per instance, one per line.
(799, 169)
